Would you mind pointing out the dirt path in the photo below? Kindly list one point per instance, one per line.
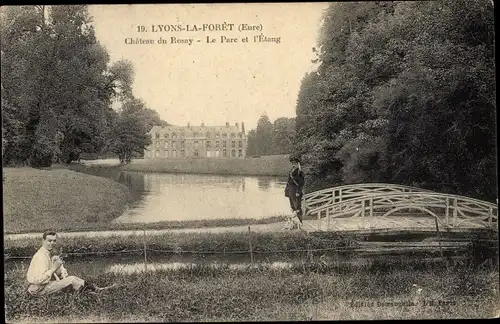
(345, 224)
(275, 227)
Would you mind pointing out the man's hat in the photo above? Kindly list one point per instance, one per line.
(294, 158)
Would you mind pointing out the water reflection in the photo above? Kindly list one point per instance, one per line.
(175, 197)
(192, 197)
(264, 184)
(173, 266)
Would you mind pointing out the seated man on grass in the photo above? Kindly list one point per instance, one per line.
(47, 275)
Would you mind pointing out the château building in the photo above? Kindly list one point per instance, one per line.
(197, 141)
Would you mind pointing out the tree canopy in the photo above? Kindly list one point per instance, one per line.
(404, 93)
(58, 86)
(272, 138)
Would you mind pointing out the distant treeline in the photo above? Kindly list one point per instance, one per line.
(272, 165)
(404, 92)
(271, 138)
(58, 90)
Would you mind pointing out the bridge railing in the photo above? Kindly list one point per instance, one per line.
(326, 197)
(368, 200)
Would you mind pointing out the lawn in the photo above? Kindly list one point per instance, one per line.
(35, 200)
(303, 291)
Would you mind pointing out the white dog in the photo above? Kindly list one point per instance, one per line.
(293, 221)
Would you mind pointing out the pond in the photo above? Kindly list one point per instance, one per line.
(180, 197)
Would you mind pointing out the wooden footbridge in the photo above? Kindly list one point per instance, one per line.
(370, 201)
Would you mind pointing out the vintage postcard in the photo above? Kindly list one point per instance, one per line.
(249, 161)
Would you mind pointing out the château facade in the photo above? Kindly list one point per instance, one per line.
(197, 141)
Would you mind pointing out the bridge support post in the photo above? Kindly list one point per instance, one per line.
(371, 207)
(363, 206)
(319, 220)
(454, 212)
(327, 219)
(447, 212)
(490, 214)
(439, 242)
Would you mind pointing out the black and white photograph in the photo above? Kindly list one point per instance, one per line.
(249, 162)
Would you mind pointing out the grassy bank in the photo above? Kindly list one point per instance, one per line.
(304, 291)
(35, 200)
(277, 165)
(196, 242)
(236, 245)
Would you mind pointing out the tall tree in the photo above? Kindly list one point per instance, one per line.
(264, 135)
(130, 132)
(283, 136)
(57, 89)
(251, 143)
(392, 78)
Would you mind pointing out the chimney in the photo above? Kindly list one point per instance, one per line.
(237, 126)
(189, 125)
(227, 124)
(202, 124)
(243, 127)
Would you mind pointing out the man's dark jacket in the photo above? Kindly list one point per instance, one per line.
(295, 183)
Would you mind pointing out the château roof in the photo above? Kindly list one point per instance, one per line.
(192, 129)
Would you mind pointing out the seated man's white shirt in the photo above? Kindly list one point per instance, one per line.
(39, 270)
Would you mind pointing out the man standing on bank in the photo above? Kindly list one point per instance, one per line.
(294, 189)
(46, 273)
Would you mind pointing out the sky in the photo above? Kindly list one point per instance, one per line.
(214, 83)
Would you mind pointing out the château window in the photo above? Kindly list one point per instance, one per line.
(208, 135)
(240, 153)
(196, 153)
(232, 135)
(166, 135)
(233, 153)
(224, 144)
(166, 145)
(217, 144)
(208, 144)
(195, 134)
(217, 135)
(183, 142)
(157, 135)
(233, 144)
(183, 154)
(240, 144)
(224, 135)
(240, 135)
(224, 153)
(174, 135)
